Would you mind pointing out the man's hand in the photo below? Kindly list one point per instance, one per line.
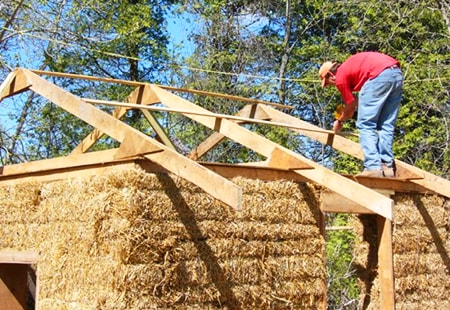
(337, 125)
(347, 113)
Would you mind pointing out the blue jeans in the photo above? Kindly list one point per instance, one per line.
(379, 103)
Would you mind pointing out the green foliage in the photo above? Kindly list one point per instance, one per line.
(342, 286)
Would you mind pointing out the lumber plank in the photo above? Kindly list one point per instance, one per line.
(86, 77)
(321, 175)
(253, 172)
(13, 286)
(74, 165)
(385, 263)
(132, 146)
(405, 171)
(332, 202)
(327, 137)
(160, 132)
(71, 172)
(226, 96)
(260, 170)
(282, 160)
(5, 90)
(71, 161)
(135, 83)
(206, 145)
(216, 116)
(185, 168)
(18, 257)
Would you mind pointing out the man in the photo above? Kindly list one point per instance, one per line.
(378, 79)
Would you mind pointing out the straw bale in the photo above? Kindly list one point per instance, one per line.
(418, 264)
(230, 248)
(414, 209)
(134, 240)
(144, 250)
(417, 239)
(291, 295)
(424, 283)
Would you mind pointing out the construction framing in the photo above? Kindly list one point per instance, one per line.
(345, 193)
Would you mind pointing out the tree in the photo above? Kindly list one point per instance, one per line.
(226, 47)
(117, 39)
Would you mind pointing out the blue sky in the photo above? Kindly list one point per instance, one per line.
(181, 27)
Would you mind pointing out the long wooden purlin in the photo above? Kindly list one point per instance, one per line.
(134, 83)
(428, 180)
(217, 186)
(318, 174)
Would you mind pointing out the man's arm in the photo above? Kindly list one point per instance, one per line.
(348, 112)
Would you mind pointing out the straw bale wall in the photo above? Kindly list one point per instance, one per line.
(421, 247)
(134, 240)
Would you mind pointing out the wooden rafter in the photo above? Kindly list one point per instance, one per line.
(14, 83)
(135, 141)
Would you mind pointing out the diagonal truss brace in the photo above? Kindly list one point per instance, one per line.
(249, 111)
(135, 97)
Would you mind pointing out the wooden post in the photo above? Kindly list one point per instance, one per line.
(385, 264)
(322, 225)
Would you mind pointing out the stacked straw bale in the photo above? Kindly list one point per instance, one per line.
(134, 240)
(421, 247)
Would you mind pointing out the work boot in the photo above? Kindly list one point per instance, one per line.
(389, 171)
(371, 173)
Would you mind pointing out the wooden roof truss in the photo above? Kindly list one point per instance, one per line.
(135, 143)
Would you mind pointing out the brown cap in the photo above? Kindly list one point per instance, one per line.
(324, 69)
